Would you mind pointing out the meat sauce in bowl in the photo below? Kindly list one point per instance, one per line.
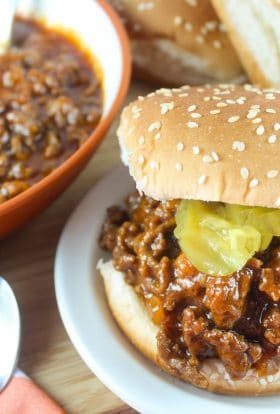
(234, 318)
(50, 102)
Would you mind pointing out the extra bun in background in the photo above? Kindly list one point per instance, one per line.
(212, 143)
(132, 316)
(253, 27)
(178, 42)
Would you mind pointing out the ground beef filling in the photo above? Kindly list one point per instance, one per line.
(235, 318)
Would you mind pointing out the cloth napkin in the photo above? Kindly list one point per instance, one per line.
(22, 396)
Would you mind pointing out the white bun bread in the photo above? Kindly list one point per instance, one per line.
(177, 42)
(132, 317)
(253, 27)
(211, 143)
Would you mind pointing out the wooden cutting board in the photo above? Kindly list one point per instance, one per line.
(27, 260)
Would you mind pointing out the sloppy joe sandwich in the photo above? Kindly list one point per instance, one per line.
(194, 280)
(176, 42)
(253, 28)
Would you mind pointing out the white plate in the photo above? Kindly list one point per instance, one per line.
(82, 304)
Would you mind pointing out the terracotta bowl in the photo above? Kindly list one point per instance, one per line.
(100, 31)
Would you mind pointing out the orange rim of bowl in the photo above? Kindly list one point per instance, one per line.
(96, 137)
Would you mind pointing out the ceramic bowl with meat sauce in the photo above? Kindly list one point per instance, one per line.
(59, 92)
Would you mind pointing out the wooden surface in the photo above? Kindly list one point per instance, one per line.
(27, 260)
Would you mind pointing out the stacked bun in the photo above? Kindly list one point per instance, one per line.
(253, 27)
(179, 41)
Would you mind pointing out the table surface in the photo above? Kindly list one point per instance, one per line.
(27, 261)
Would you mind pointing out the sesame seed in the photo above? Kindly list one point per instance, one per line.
(140, 98)
(277, 126)
(256, 121)
(145, 6)
(207, 158)
(154, 165)
(277, 202)
(166, 106)
(195, 115)
(178, 20)
(244, 172)
(253, 183)
(216, 98)
(211, 25)
(272, 139)
(260, 130)
(157, 136)
(191, 108)
(202, 179)
(206, 98)
(199, 39)
(270, 111)
(221, 105)
(136, 109)
(154, 126)
(230, 101)
(255, 106)
(178, 166)
(240, 101)
(192, 3)
(141, 140)
(215, 111)
(270, 96)
(233, 119)
(252, 113)
(195, 150)
(141, 159)
(238, 145)
(180, 146)
(272, 173)
(188, 27)
(217, 44)
(192, 124)
(183, 95)
(136, 115)
(215, 156)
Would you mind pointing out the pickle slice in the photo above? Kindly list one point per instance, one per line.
(219, 238)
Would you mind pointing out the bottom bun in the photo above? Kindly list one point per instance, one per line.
(131, 315)
(181, 67)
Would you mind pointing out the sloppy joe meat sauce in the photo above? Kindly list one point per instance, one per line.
(235, 318)
(50, 102)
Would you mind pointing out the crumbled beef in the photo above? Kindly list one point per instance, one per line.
(235, 318)
(272, 326)
(225, 297)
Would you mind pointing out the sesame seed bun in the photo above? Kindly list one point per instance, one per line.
(211, 143)
(179, 41)
(258, 47)
(132, 317)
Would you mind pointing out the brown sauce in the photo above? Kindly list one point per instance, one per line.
(50, 102)
(235, 318)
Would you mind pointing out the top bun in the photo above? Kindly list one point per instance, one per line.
(185, 37)
(211, 143)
